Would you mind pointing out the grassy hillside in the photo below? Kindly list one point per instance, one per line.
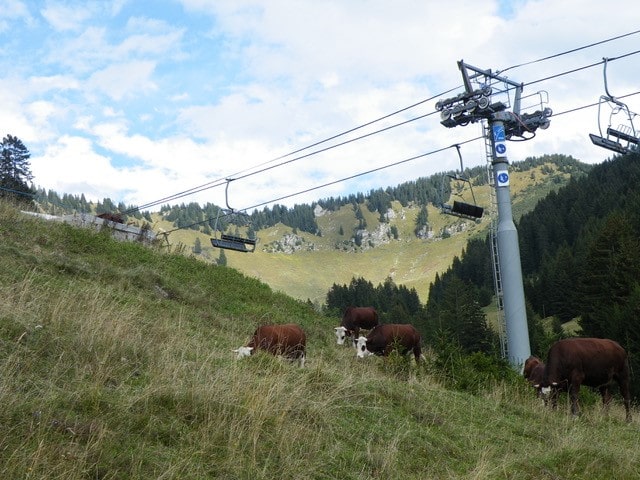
(310, 273)
(116, 364)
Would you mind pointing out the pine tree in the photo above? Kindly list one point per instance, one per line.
(15, 170)
(422, 220)
(197, 246)
(222, 259)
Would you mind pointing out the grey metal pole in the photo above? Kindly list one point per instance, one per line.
(518, 346)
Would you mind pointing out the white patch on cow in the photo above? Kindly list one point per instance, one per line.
(243, 352)
(545, 390)
(361, 347)
(302, 360)
(341, 334)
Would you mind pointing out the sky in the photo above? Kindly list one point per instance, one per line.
(138, 101)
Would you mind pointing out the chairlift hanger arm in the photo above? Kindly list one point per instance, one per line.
(226, 193)
(460, 157)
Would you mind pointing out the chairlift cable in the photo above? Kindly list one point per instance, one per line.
(572, 110)
(219, 182)
(569, 51)
(333, 182)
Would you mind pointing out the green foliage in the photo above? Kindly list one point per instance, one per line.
(458, 315)
(468, 372)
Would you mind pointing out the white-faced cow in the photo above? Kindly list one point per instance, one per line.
(383, 339)
(287, 340)
(594, 362)
(354, 319)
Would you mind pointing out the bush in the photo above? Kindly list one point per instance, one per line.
(473, 373)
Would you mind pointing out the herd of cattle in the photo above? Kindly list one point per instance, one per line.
(570, 363)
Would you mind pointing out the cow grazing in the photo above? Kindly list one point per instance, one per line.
(594, 362)
(354, 319)
(533, 372)
(383, 339)
(111, 217)
(287, 340)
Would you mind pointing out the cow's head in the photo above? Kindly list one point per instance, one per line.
(243, 352)
(341, 334)
(361, 347)
(530, 366)
(542, 392)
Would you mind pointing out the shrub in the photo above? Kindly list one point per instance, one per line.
(471, 372)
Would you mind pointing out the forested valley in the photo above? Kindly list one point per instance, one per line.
(580, 253)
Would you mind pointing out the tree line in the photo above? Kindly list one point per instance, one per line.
(16, 178)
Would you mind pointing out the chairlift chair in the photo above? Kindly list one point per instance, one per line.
(462, 209)
(622, 139)
(231, 242)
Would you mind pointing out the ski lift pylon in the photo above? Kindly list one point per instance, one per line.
(622, 139)
(231, 242)
(462, 209)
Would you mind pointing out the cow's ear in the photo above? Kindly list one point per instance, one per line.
(250, 349)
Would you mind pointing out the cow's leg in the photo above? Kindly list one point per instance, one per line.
(574, 390)
(606, 396)
(302, 359)
(417, 352)
(553, 397)
(623, 383)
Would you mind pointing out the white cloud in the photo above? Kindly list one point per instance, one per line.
(11, 11)
(160, 102)
(83, 170)
(123, 80)
(66, 17)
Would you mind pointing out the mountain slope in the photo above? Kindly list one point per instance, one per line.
(305, 266)
(116, 364)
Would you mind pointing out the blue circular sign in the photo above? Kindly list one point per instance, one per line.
(501, 148)
(503, 177)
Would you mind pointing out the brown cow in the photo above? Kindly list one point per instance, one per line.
(353, 319)
(383, 339)
(533, 372)
(288, 340)
(111, 217)
(594, 362)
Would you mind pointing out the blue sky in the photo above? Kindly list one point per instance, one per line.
(138, 100)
